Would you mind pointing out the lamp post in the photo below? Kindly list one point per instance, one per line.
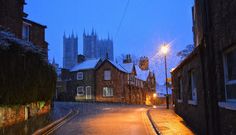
(164, 51)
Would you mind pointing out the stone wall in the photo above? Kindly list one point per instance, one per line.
(10, 115)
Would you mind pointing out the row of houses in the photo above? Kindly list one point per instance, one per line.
(204, 83)
(103, 80)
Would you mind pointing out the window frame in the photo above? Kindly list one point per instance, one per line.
(226, 79)
(105, 77)
(110, 91)
(90, 92)
(81, 74)
(24, 35)
(192, 77)
(77, 91)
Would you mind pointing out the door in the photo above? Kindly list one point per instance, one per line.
(88, 92)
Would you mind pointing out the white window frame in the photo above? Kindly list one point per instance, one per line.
(80, 88)
(90, 96)
(227, 81)
(193, 80)
(26, 33)
(107, 92)
(107, 75)
(80, 75)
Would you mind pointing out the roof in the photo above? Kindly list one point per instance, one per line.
(141, 74)
(128, 67)
(35, 23)
(85, 65)
(118, 66)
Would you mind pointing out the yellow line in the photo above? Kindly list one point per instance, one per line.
(148, 126)
(59, 125)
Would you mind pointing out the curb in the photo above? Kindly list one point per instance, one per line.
(154, 126)
(56, 124)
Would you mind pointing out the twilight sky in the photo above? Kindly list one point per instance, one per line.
(146, 25)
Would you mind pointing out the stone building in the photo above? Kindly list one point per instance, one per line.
(70, 51)
(93, 47)
(204, 82)
(14, 19)
(82, 83)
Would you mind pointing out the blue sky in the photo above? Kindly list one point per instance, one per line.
(146, 25)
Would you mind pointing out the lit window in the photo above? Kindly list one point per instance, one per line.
(107, 75)
(80, 76)
(80, 91)
(107, 92)
(26, 31)
(230, 75)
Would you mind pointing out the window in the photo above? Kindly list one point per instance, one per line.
(80, 76)
(193, 85)
(80, 91)
(230, 74)
(107, 75)
(180, 89)
(88, 92)
(26, 31)
(107, 92)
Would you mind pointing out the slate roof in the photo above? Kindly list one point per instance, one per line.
(85, 65)
(141, 74)
(128, 67)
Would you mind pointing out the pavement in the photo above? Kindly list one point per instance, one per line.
(168, 122)
(109, 119)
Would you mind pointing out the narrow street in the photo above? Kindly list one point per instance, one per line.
(107, 119)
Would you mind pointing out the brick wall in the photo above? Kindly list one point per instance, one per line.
(11, 14)
(88, 80)
(194, 115)
(117, 81)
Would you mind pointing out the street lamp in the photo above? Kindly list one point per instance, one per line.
(164, 51)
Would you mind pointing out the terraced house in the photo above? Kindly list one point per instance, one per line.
(83, 79)
(204, 84)
(125, 82)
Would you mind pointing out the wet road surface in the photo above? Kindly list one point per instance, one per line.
(107, 119)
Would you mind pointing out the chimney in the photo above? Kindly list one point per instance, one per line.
(127, 59)
(80, 58)
(144, 63)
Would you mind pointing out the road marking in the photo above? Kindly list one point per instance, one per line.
(60, 124)
(147, 124)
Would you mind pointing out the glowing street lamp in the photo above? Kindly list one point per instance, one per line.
(154, 95)
(165, 50)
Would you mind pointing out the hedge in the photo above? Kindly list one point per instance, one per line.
(25, 77)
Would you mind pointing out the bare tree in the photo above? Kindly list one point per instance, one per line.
(184, 53)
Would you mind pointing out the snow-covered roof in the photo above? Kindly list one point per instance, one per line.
(128, 67)
(6, 38)
(87, 64)
(118, 66)
(141, 74)
(162, 89)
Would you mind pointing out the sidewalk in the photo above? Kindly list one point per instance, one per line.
(169, 123)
